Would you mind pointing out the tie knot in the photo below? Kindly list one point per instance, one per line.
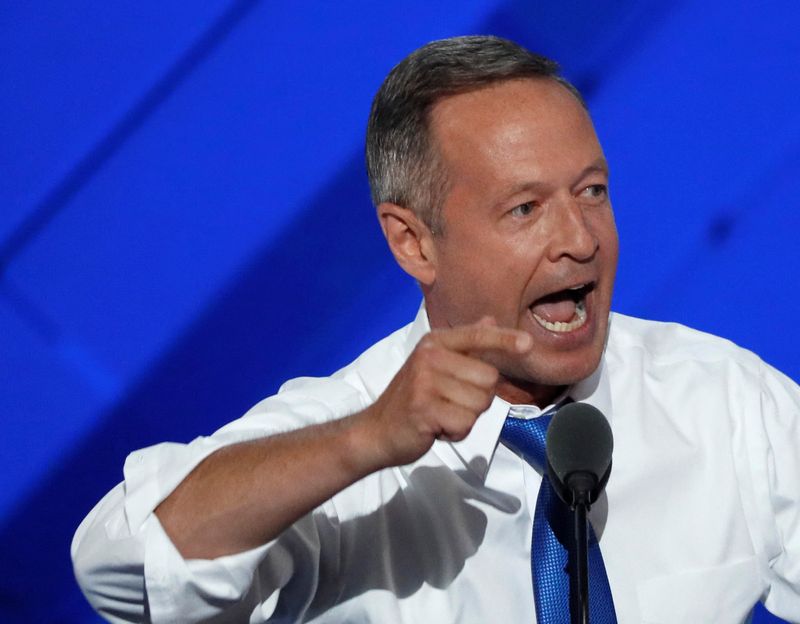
(526, 436)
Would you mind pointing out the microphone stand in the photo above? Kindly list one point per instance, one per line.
(580, 485)
(580, 615)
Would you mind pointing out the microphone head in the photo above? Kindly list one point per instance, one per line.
(578, 447)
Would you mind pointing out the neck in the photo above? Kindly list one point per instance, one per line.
(518, 392)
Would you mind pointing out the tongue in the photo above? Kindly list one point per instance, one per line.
(555, 311)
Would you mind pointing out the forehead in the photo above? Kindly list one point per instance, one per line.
(536, 122)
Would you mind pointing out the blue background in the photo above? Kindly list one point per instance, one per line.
(185, 220)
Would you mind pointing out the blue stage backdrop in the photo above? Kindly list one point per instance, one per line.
(185, 220)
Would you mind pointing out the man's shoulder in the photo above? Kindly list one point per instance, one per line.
(668, 343)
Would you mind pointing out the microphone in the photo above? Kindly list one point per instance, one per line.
(578, 448)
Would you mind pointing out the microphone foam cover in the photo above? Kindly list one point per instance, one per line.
(579, 439)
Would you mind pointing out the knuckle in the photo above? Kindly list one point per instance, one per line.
(471, 332)
(503, 339)
(461, 430)
(460, 422)
(487, 376)
(427, 353)
(481, 402)
(426, 341)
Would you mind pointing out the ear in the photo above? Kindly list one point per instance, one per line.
(410, 240)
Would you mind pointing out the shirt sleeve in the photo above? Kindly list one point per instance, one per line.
(130, 571)
(128, 567)
(780, 405)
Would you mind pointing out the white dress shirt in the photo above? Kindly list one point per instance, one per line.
(700, 520)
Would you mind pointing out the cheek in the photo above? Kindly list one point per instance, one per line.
(480, 283)
(477, 258)
(612, 251)
(605, 229)
(488, 272)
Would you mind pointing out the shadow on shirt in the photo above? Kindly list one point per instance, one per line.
(422, 535)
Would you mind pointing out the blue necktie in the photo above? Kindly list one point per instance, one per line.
(553, 534)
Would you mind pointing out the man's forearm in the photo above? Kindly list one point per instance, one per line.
(246, 494)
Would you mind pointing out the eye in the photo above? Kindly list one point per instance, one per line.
(596, 191)
(523, 210)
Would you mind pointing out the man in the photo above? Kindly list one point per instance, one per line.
(385, 494)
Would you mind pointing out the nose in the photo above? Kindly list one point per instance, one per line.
(571, 234)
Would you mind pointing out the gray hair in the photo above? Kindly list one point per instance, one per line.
(403, 164)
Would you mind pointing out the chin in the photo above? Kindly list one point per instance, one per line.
(559, 369)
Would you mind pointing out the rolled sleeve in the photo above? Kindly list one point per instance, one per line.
(781, 411)
(181, 590)
(129, 569)
(125, 563)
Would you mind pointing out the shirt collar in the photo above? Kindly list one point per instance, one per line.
(418, 328)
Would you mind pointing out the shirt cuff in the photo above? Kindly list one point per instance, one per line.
(180, 590)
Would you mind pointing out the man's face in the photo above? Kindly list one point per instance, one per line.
(529, 234)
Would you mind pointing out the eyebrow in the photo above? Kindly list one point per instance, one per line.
(598, 166)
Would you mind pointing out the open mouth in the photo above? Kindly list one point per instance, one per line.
(563, 311)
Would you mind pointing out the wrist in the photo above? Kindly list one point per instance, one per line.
(362, 451)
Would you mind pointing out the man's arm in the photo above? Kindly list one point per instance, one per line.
(246, 494)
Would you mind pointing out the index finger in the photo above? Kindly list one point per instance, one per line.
(482, 336)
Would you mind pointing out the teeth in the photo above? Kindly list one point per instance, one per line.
(577, 287)
(562, 328)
